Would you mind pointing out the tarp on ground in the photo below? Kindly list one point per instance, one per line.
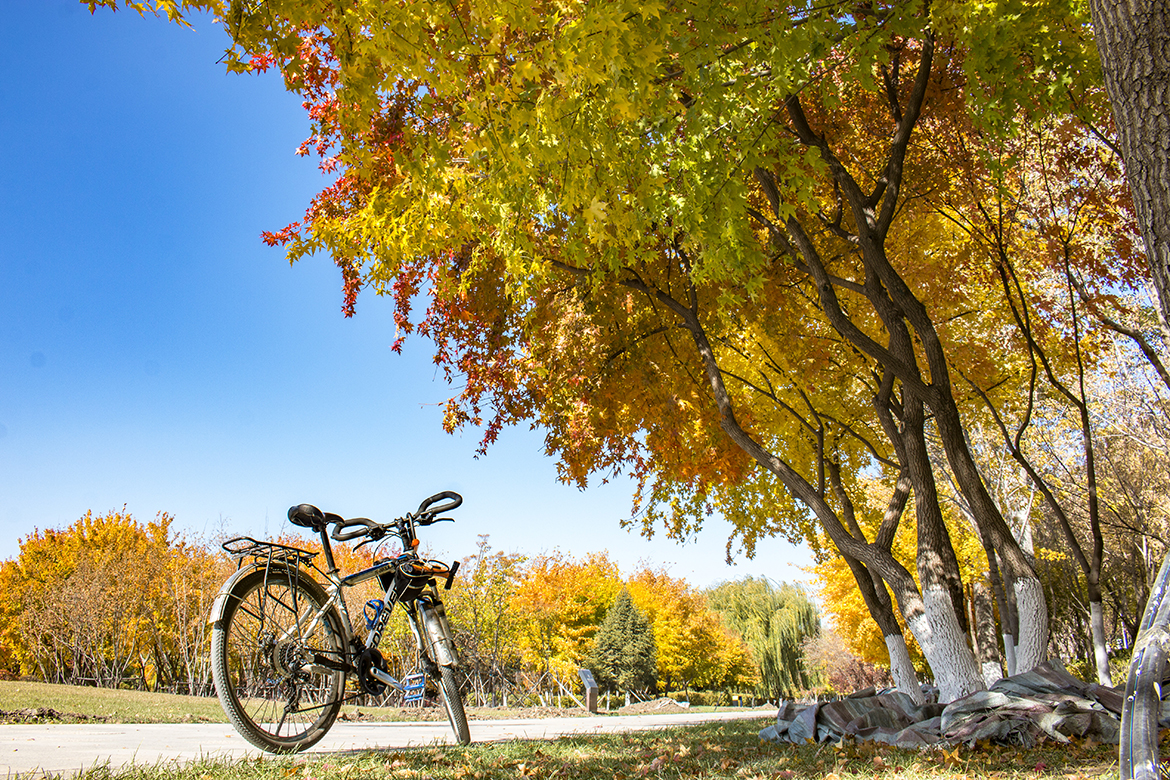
(1020, 710)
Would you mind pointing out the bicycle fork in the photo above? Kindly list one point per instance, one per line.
(436, 630)
(427, 619)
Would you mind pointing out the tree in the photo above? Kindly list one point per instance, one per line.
(693, 649)
(486, 626)
(775, 622)
(841, 671)
(1056, 218)
(722, 155)
(110, 600)
(560, 602)
(1132, 40)
(623, 654)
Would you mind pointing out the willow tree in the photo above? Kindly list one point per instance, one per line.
(774, 621)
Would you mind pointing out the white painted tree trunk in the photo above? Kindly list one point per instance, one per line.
(1032, 649)
(945, 646)
(992, 672)
(1009, 654)
(902, 669)
(1100, 652)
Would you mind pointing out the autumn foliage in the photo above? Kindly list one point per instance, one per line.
(774, 263)
(111, 601)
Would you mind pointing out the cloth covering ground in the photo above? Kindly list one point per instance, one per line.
(1021, 710)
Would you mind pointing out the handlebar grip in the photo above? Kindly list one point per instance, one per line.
(453, 498)
(341, 535)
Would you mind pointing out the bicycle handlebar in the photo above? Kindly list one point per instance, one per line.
(427, 508)
(367, 528)
(309, 516)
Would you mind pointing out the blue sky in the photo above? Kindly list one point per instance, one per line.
(155, 354)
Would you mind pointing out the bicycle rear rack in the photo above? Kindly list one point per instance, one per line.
(243, 547)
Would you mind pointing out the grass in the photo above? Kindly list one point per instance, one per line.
(80, 704)
(718, 751)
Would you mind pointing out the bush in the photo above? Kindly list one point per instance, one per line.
(1086, 668)
(840, 670)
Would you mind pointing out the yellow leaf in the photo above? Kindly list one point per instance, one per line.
(596, 212)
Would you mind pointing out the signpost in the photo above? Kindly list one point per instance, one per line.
(590, 689)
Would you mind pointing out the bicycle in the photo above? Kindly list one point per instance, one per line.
(283, 645)
(1142, 708)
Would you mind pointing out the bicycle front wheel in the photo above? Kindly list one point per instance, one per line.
(453, 702)
(266, 659)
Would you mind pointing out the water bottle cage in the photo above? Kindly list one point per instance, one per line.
(377, 605)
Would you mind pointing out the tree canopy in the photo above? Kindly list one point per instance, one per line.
(693, 241)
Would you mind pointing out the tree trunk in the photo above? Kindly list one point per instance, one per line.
(1032, 643)
(1100, 651)
(882, 612)
(1031, 611)
(984, 633)
(1132, 37)
(937, 563)
(930, 614)
(1009, 654)
(945, 645)
(901, 667)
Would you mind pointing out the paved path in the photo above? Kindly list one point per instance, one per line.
(63, 748)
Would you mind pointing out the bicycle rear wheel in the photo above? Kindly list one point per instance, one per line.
(266, 654)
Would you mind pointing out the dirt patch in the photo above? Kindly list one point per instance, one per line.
(654, 707)
(47, 715)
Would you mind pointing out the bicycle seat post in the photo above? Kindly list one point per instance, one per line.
(327, 548)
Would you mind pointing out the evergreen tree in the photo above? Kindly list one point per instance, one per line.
(623, 648)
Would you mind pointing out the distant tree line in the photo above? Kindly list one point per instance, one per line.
(114, 602)
(110, 601)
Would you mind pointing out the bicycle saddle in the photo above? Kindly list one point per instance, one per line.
(307, 516)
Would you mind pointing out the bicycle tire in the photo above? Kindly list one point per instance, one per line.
(453, 703)
(1138, 755)
(259, 667)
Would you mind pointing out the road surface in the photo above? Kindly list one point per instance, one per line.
(70, 748)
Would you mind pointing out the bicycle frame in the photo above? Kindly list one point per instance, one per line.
(432, 634)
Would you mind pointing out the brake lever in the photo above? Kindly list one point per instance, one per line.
(432, 520)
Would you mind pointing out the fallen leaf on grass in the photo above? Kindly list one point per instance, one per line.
(952, 758)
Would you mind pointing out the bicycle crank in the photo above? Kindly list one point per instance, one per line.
(372, 675)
